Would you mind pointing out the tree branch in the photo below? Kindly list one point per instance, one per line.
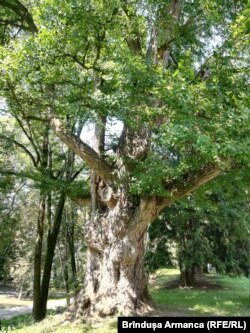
(134, 43)
(23, 148)
(80, 62)
(77, 173)
(19, 105)
(18, 8)
(28, 117)
(82, 199)
(89, 155)
(166, 45)
(192, 181)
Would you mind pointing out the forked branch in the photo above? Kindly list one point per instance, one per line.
(89, 155)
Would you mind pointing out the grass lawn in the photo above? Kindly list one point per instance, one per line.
(53, 323)
(217, 296)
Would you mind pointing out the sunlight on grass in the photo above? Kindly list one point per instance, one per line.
(227, 297)
(161, 277)
(54, 323)
(230, 298)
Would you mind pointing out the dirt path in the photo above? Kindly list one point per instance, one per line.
(10, 312)
(11, 306)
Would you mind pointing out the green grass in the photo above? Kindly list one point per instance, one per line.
(53, 324)
(227, 296)
(224, 296)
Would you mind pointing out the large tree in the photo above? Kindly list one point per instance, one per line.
(173, 75)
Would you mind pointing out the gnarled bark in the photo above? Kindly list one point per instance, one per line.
(115, 281)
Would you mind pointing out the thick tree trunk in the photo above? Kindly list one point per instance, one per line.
(115, 281)
(188, 277)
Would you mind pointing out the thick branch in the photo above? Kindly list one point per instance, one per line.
(19, 9)
(80, 62)
(133, 41)
(167, 44)
(92, 159)
(150, 208)
(189, 183)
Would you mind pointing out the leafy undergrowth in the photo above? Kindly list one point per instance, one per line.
(215, 296)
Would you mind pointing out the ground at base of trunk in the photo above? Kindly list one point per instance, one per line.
(200, 284)
(98, 325)
(84, 310)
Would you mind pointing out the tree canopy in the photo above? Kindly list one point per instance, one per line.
(98, 59)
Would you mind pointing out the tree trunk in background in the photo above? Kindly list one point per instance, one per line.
(37, 293)
(41, 286)
(71, 245)
(64, 268)
(38, 261)
(188, 277)
(51, 244)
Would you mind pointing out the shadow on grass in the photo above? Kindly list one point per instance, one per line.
(17, 322)
(222, 296)
(163, 277)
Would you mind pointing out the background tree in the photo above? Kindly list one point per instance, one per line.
(8, 220)
(210, 226)
(168, 72)
(53, 169)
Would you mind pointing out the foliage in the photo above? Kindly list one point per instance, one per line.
(20, 262)
(10, 202)
(207, 120)
(159, 250)
(21, 181)
(210, 226)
